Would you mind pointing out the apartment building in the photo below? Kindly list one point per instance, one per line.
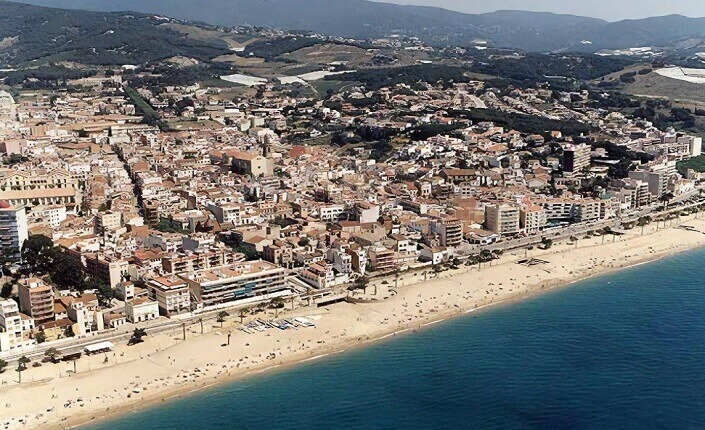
(236, 282)
(36, 300)
(109, 269)
(318, 275)
(227, 212)
(576, 158)
(503, 219)
(589, 210)
(532, 219)
(107, 221)
(449, 230)
(171, 294)
(13, 229)
(382, 259)
(11, 330)
(193, 261)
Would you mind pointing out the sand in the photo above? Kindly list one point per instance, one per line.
(165, 367)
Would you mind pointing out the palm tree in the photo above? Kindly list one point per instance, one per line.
(642, 222)
(22, 365)
(3, 365)
(243, 313)
(221, 317)
(276, 303)
(666, 198)
(396, 279)
(200, 320)
(575, 240)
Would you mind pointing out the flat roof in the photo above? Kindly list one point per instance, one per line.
(99, 346)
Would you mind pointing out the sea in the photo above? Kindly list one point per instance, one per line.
(625, 350)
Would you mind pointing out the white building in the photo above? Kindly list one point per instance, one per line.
(141, 309)
(11, 332)
(13, 229)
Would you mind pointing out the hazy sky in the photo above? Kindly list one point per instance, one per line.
(611, 10)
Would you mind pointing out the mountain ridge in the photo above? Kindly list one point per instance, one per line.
(362, 19)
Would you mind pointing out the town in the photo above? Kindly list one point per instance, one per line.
(109, 222)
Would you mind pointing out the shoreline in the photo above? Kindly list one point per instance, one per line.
(639, 250)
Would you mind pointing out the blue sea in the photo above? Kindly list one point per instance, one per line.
(621, 351)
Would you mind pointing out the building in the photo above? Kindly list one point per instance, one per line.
(191, 261)
(7, 107)
(590, 210)
(107, 221)
(227, 212)
(382, 259)
(110, 270)
(319, 275)
(141, 309)
(125, 291)
(330, 213)
(449, 230)
(366, 212)
(11, 330)
(39, 188)
(246, 281)
(247, 163)
(13, 230)
(36, 300)
(279, 255)
(532, 219)
(576, 159)
(171, 294)
(657, 176)
(503, 219)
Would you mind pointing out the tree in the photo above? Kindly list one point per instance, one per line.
(547, 243)
(361, 283)
(36, 253)
(137, 336)
(485, 255)
(66, 271)
(40, 336)
(221, 317)
(22, 365)
(52, 353)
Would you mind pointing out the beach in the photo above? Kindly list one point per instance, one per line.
(165, 366)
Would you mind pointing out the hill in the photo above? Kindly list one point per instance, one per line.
(530, 31)
(364, 19)
(36, 35)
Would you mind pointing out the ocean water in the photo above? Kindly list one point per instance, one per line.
(621, 351)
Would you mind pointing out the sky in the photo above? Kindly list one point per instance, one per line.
(610, 10)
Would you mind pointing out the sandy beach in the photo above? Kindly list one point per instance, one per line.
(165, 366)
